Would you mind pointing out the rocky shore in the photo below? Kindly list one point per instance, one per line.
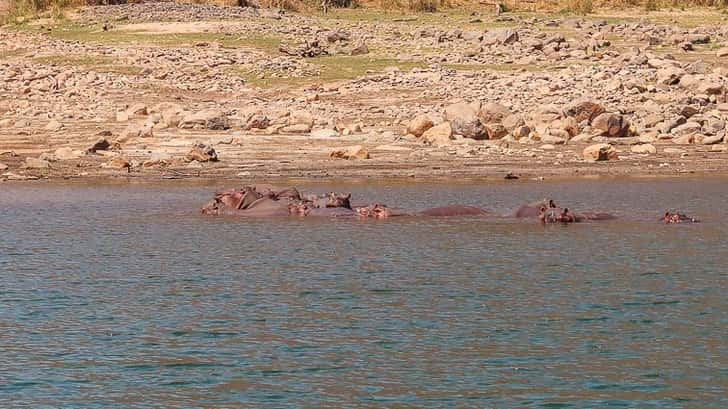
(171, 90)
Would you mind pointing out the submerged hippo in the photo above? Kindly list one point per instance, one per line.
(675, 218)
(547, 211)
(273, 201)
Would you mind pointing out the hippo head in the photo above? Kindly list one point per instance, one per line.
(339, 200)
(375, 211)
(299, 209)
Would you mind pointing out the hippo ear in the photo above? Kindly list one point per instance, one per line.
(348, 196)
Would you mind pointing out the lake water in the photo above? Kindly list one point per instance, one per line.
(120, 296)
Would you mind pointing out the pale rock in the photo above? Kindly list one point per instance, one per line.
(209, 119)
(670, 75)
(493, 112)
(137, 109)
(53, 126)
(36, 163)
(600, 152)
(325, 133)
(644, 148)
(439, 135)
(296, 129)
(713, 139)
(67, 154)
(420, 124)
(464, 121)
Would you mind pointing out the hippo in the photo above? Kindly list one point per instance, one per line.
(547, 211)
(677, 217)
(453, 210)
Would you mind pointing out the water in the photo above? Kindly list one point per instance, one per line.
(123, 296)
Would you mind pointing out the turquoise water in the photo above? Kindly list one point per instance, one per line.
(120, 296)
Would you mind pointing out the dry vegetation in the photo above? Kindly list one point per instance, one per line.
(11, 9)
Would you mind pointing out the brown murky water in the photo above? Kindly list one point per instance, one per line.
(123, 296)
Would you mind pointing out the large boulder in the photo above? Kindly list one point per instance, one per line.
(209, 119)
(611, 125)
(600, 152)
(493, 112)
(419, 125)
(464, 121)
(439, 135)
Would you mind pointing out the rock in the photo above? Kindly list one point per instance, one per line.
(464, 121)
(670, 75)
(135, 130)
(513, 122)
(36, 163)
(325, 133)
(137, 109)
(67, 154)
(6, 123)
(359, 49)
(710, 87)
(257, 121)
(122, 116)
(496, 131)
(684, 139)
(210, 119)
(688, 128)
(419, 125)
(492, 112)
(296, 128)
(15, 176)
(53, 126)
(713, 139)
(500, 36)
(600, 152)
(611, 125)
(584, 110)
(301, 118)
(201, 153)
(644, 148)
(172, 117)
(3, 166)
(117, 163)
(22, 123)
(100, 145)
(673, 151)
(440, 135)
(355, 152)
(688, 110)
(723, 52)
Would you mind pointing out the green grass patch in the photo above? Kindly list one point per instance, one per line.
(94, 34)
(7, 54)
(497, 67)
(332, 68)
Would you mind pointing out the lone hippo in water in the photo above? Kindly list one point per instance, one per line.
(675, 218)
